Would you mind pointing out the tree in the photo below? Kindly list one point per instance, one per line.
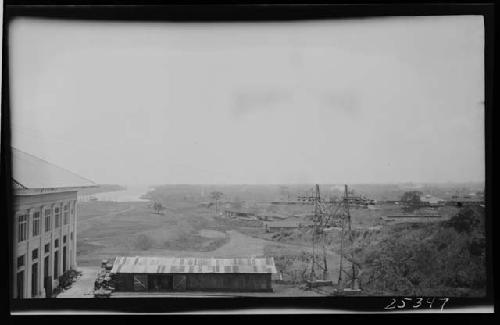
(237, 203)
(157, 207)
(216, 196)
(284, 193)
(412, 197)
(143, 242)
(465, 221)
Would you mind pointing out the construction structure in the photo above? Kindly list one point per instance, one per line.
(239, 213)
(45, 224)
(164, 274)
(327, 214)
(277, 226)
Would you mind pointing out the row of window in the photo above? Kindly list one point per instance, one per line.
(34, 253)
(22, 228)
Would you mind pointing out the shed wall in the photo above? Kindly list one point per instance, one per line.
(207, 282)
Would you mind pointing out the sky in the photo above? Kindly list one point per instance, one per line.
(383, 100)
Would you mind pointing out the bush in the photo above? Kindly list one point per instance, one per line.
(67, 278)
(143, 242)
(465, 221)
(433, 259)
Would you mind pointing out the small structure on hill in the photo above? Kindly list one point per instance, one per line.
(205, 204)
(193, 274)
(239, 213)
(276, 226)
(412, 217)
(466, 200)
(270, 217)
(431, 200)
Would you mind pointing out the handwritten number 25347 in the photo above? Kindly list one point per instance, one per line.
(415, 303)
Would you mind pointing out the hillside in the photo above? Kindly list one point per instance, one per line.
(446, 258)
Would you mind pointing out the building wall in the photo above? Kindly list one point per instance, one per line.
(29, 205)
(253, 282)
(229, 282)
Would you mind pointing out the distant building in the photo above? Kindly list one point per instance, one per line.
(432, 200)
(239, 213)
(45, 224)
(413, 217)
(289, 202)
(267, 216)
(164, 274)
(276, 226)
(205, 204)
(466, 201)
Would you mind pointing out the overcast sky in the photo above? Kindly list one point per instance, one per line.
(354, 101)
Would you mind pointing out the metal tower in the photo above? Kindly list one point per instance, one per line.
(328, 213)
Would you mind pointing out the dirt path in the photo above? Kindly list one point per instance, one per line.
(84, 285)
(241, 245)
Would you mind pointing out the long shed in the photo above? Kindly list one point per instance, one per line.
(193, 274)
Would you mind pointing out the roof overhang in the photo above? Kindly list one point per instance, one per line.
(34, 191)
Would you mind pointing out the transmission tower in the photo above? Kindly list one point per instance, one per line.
(319, 261)
(346, 239)
(324, 211)
(326, 214)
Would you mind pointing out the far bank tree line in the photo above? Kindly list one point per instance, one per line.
(215, 196)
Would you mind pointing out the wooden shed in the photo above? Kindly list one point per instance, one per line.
(193, 274)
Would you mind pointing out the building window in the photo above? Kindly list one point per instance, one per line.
(47, 248)
(22, 228)
(57, 217)
(64, 239)
(34, 254)
(47, 220)
(20, 261)
(71, 236)
(36, 224)
(56, 243)
(56, 264)
(66, 213)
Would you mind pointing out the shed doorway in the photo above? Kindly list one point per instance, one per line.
(160, 282)
(179, 282)
(140, 282)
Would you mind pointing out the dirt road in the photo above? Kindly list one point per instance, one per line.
(240, 245)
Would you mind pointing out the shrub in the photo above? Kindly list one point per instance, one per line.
(67, 278)
(143, 242)
(465, 221)
(446, 259)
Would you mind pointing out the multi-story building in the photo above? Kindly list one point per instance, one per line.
(45, 223)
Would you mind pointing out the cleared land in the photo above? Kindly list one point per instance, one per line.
(186, 228)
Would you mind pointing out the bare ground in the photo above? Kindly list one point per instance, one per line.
(84, 285)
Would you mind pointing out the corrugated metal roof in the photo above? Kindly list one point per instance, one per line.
(31, 172)
(142, 264)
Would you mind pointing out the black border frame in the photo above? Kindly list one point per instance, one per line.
(152, 11)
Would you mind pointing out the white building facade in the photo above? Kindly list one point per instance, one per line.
(45, 237)
(45, 225)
